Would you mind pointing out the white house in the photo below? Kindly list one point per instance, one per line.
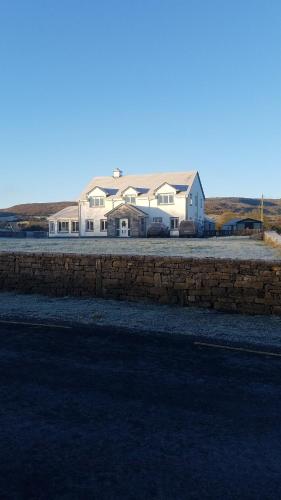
(125, 205)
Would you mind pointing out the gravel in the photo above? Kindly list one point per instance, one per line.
(140, 317)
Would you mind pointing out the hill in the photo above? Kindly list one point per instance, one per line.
(217, 206)
(223, 209)
(37, 209)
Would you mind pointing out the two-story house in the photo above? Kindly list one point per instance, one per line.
(125, 205)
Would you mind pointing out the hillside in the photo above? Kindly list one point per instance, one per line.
(224, 209)
(217, 206)
(37, 209)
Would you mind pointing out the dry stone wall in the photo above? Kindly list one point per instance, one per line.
(223, 284)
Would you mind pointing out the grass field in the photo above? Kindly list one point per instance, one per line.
(231, 247)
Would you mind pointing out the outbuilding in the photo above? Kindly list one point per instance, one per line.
(243, 225)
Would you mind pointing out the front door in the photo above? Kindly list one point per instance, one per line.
(124, 228)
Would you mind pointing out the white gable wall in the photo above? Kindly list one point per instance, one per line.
(130, 191)
(95, 214)
(96, 192)
(196, 210)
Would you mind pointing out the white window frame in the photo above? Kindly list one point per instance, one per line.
(61, 224)
(52, 227)
(75, 225)
(174, 223)
(103, 225)
(166, 199)
(130, 198)
(90, 226)
(97, 201)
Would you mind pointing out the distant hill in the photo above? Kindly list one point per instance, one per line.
(37, 209)
(224, 209)
(217, 206)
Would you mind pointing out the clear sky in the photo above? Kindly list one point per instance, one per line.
(143, 85)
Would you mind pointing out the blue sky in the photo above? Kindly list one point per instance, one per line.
(143, 85)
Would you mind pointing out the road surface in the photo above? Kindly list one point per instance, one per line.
(99, 413)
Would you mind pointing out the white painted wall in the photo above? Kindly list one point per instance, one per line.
(194, 211)
(68, 234)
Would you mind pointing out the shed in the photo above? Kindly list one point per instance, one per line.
(209, 224)
(240, 225)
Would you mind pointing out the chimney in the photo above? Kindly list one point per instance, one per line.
(117, 173)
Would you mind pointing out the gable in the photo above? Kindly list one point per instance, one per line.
(126, 208)
(130, 191)
(97, 191)
(165, 188)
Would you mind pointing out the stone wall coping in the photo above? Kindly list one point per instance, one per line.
(147, 258)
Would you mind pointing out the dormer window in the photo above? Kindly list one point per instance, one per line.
(165, 199)
(96, 201)
(130, 199)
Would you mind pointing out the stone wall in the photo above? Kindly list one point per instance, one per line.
(223, 284)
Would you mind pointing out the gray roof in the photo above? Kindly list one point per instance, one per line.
(146, 184)
(66, 213)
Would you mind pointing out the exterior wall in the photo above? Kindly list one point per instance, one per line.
(130, 191)
(230, 285)
(93, 213)
(194, 212)
(125, 212)
(241, 226)
(167, 211)
(68, 234)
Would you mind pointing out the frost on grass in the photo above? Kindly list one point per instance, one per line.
(231, 247)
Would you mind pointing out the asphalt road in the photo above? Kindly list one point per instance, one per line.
(96, 413)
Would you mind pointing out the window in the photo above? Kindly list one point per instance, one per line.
(103, 224)
(174, 222)
(89, 225)
(52, 227)
(190, 199)
(165, 199)
(130, 199)
(75, 226)
(63, 227)
(97, 201)
(157, 219)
